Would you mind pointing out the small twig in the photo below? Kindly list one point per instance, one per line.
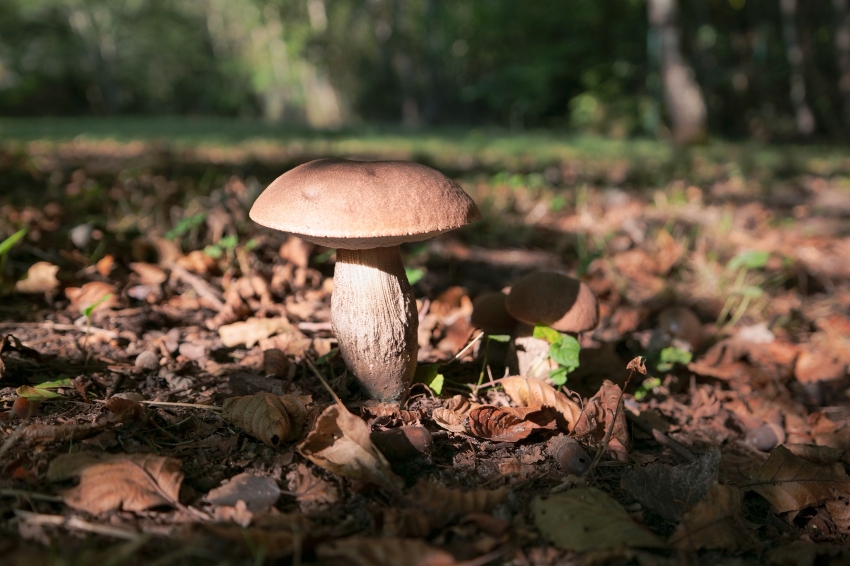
(201, 287)
(30, 495)
(662, 438)
(189, 405)
(314, 326)
(48, 325)
(75, 523)
(610, 431)
(325, 383)
(466, 348)
(426, 306)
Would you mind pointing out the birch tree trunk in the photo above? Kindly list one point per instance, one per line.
(682, 95)
(842, 52)
(803, 116)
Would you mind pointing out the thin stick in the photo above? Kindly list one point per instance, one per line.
(325, 383)
(610, 430)
(30, 494)
(75, 523)
(467, 347)
(48, 325)
(189, 405)
(201, 287)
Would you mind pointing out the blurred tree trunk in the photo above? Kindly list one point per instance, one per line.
(842, 50)
(682, 95)
(321, 99)
(794, 52)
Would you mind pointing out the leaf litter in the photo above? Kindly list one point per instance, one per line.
(171, 356)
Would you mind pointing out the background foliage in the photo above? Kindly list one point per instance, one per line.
(590, 65)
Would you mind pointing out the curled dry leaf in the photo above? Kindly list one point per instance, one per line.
(508, 424)
(790, 483)
(715, 523)
(453, 415)
(313, 494)
(149, 274)
(257, 492)
(41, 278)
(123, 409)
(102, 295)
(252, 331)
(270, 418)
(527, 392)
(340, 443)
(596, 418)
(132, 482)
(358, 551)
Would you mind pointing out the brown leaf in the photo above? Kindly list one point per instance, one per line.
(275, 363)
(104, 265)
(271, 418)
(453, 415)
(149, 274)
(597, 415)
(58, 433)
(104, 295)
(839, 510)
(790, 483)
(340, 443)
(430, 506)
(257, 492)
(357, 551)
(715, 523)
(124, 409)
(252, 331)
(508, 424)
(41, 278)
(313, 494)
(296, 251)
(132, 482)
(639, 364)
(527, 392)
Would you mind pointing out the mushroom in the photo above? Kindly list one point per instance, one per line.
(558, 301)
(679, 326)
(490, 315)
(366, 210)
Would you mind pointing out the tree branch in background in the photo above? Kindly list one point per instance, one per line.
(803, 116)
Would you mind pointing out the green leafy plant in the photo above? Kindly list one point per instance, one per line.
(7, 245)
(43, 391)
(185, 225)
(671, 356)
(748, 286)
(430, 375)
(322, 360)
(226, 244)
(415, 274)
(644, 388)
(563, 350)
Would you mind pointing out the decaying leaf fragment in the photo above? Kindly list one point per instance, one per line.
(253, 330)
(509, 424)
(358, 551)
(453, 415)
(271, 418)
(597, 415)
(671, 490)
(278, 535)
(430, 506)
(340, 443)
(132, 482)
(41, 278)
(715, 523)
(102, 296)
(790, 483)
(583, 519)
(527, 392)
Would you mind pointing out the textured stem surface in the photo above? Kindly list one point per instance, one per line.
(375, 320)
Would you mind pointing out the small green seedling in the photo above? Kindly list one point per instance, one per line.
(415, 274)
(226, 244)
(430, 375)
(671, 356)
(6, 246)
(563, 350)
(644, 388)
(322, 360)
(185, 225)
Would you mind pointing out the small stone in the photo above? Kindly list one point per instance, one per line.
(81, 235)
(766, 437)
(147, 361)
(192, 351)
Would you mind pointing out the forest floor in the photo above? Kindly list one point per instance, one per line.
(139, 300)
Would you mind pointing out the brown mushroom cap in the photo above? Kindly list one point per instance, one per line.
(363, 204)
(564, 303)
(682, 323)
(490, 314)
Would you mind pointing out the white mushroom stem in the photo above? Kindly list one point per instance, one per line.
(375, 321)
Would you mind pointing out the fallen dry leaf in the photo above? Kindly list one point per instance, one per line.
(671, 490)
(596, 417)
(509, 424)
(149, 274)
(41, 278)
(804, 553)
(252, 331)
(275, 363)
(257, 492)
(452, 416)
(790, 483)
(313, 494)
(132, 482)
(296, 251)
(527, 392)
(340, 443)
(271, 418)
(583, 519)
(103, 295)
(715, 523)
(357, 551)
